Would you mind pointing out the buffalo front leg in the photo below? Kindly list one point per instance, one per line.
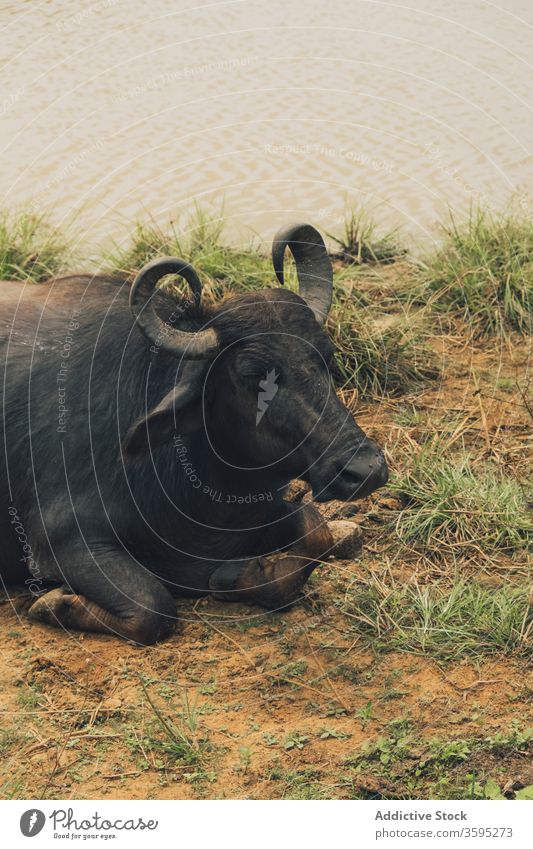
(110, 595)
(277, 580)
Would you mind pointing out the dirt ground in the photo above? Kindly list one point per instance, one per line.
(240, 703)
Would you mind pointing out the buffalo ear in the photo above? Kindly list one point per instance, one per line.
(180, 411)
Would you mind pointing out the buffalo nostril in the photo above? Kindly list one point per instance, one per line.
(382, 472)
(379, 473)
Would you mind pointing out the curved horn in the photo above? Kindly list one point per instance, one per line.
(313, 265)
(193, 345)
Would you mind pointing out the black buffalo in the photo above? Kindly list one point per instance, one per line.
(138, 465)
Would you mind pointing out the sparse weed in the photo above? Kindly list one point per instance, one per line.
(365, 714)
(385, 750)
(301, 784)
(294, 669)
(518, 740)
(181, 741)
(294, 740)
(328, 733)
(8, 737)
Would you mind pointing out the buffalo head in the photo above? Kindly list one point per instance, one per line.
(254, 376)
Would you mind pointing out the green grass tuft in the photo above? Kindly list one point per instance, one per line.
(361, 241)
(451, 504)
(181, 740)
(466, 619)
(483, 273)
(31, 248)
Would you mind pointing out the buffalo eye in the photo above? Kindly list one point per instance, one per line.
(254, 370)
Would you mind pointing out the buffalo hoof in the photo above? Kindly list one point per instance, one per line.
(53, 607)
(273, 582)
(65, 609)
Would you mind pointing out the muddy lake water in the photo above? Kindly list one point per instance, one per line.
(113, 111)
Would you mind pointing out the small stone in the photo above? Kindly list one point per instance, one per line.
(347, 539)
(389, 503)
